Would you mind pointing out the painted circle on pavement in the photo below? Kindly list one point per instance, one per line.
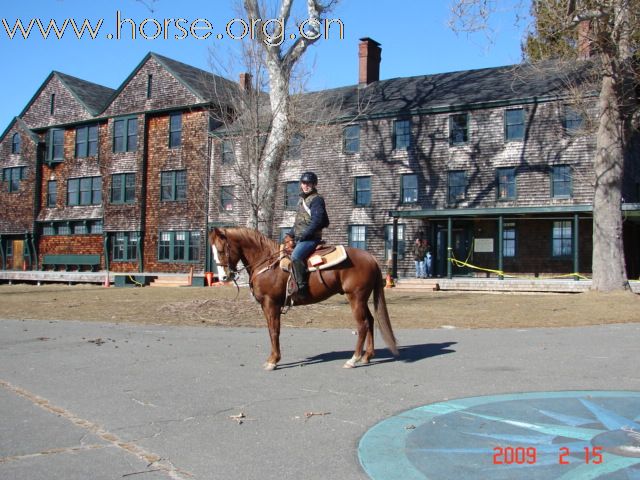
(540, 435)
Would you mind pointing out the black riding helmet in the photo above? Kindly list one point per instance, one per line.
(309, 177)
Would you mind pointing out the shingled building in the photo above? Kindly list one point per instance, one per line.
(491, 166)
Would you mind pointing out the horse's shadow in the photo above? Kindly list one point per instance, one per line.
(408, 354)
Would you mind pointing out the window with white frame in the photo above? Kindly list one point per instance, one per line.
(358, 236)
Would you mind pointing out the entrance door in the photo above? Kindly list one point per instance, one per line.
(460, 245)
(18, 258)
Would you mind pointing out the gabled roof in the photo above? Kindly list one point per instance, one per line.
(92, 96)
(523, 83)
(206, 86)
(23, 126)
(201, 83)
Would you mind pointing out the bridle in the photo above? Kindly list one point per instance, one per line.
(276, 257)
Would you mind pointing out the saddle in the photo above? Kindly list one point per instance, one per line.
(324, 256)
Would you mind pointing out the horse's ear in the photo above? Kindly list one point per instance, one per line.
(218, 232)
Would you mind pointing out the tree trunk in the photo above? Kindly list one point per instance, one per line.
(608, 263)
(273, 153)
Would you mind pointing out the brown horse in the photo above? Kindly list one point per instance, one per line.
(357, 277)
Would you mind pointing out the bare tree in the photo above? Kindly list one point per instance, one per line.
(244, 121)
(608, 32)
(272, 59)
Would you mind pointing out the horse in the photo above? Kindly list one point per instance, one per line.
(356, 277)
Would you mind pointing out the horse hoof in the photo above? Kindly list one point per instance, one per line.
(269, 366)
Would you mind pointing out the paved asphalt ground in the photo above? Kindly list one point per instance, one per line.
(99, 401)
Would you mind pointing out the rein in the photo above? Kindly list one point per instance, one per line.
(276, 255)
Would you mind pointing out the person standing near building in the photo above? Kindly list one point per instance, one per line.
(418, 257)
(428, 260)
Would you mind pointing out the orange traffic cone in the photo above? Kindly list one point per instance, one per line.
(107, 283)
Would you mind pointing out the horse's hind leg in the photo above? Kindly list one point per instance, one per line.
(359, 310)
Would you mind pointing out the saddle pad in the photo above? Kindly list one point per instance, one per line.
(320, 260)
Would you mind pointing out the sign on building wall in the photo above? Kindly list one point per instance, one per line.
(483, 245)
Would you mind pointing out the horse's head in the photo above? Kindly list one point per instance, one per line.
(225, 254)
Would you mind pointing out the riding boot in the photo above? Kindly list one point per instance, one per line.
(300, 274)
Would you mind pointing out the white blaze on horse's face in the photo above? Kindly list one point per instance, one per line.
(220, 270)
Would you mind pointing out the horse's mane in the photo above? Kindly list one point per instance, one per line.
(255, 237)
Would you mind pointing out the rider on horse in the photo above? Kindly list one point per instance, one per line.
(311, 218)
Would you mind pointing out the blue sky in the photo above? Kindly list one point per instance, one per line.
(414, 36)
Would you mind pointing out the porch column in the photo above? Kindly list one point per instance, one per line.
(105, 250)
(449, 247)
(139, 251)
(576, 247)
(394, 249)
(500, 241)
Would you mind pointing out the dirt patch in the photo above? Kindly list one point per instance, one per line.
(223, 306)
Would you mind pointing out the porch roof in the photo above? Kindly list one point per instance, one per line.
(629, 210)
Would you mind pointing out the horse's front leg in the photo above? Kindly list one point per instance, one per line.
(272, 314)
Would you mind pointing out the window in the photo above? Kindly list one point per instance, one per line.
(459, 129)
(12, 176)
(409, 188)
(84, 191)
(228, 156)
(509, 240)
(125, 134)
(561, 238)
(15, 143)
(48, 229)
(179, 246)
(506, 179)
(55, 145)
(401, 134)
(52, 193)
(79, 228)
(358, 236)
(95, 226)
(291, 195)
(226, 198)
(86, 141)
(123, 187)
(514, 124)
(63, 229)
(362, 191)
(173, 185)
(175, 130)
(572, 120)
(124, 246)
(295, 147)
(561, 181)
(457, 186)
(388, 241)
(149, 85)
(52, 104)
(351, 139)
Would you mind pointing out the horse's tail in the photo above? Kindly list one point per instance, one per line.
(382, 314)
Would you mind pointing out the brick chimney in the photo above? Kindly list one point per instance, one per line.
(245, 82)
(584, 39)
(369, 52)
